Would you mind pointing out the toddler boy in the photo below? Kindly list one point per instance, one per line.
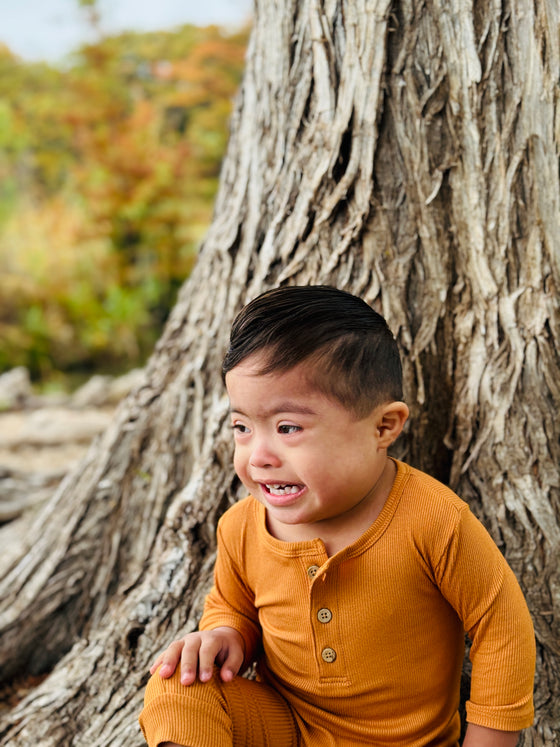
(348, 576)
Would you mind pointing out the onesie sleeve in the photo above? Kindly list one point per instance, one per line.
(230, 601)
(475, 578)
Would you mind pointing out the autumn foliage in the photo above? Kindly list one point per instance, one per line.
(108, 169)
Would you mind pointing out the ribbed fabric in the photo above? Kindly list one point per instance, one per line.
(367, 646)
(241, 713)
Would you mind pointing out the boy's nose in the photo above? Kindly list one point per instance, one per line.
(262, 455)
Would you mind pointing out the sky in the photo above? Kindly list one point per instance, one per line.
(50, 29)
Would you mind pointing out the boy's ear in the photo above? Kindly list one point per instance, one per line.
(390, 423)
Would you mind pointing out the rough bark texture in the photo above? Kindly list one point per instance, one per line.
(407, 151)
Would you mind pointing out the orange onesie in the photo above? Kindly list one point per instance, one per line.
(366, 646)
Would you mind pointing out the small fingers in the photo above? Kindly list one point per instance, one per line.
(232, 664)
(189, 658)
(169, 659)
(198, 653)
(210, 649)
(156, 663)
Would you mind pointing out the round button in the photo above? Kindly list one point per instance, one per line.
(329, 655)
(324, 615)
(312, 571)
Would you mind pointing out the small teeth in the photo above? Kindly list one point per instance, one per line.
(279, 489)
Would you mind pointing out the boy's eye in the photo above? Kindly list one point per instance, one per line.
(240, 428)
(287, 429)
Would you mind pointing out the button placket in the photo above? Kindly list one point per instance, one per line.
(323, 614)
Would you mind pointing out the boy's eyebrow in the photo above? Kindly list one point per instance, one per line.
(287, 406)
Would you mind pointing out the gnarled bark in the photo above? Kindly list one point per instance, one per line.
(406, 151)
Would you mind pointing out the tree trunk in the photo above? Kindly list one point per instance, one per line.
(406, 151)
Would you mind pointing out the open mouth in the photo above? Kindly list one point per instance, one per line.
(282, 489)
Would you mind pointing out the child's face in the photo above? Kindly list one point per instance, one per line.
(302, 454)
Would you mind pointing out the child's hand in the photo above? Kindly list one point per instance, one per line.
(199, 651)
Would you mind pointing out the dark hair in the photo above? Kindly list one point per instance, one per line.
(352, 353)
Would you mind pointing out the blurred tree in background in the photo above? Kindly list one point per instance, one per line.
(108, 169)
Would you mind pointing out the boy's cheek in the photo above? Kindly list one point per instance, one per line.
(239, 465)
